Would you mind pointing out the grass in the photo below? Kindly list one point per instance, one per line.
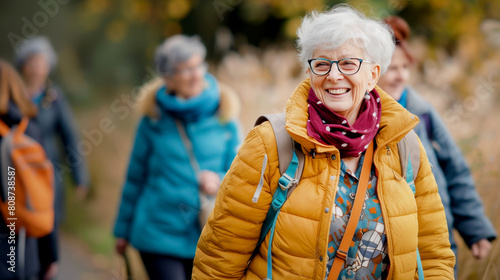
(483, 154)
(79, 224)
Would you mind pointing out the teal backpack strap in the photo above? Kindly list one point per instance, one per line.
(420, 268)
(279, 198)
(409, 155)
(291, 164)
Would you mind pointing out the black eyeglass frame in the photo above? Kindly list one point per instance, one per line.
(337, 62)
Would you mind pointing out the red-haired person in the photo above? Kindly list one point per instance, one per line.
(14, 105)
(462, 204)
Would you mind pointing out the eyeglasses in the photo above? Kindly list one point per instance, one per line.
(346, 66)
(186, 72)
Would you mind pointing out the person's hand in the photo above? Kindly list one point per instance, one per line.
(51, 271)
(209, 182)
(121, 245)
(481, 249)
(81, 192)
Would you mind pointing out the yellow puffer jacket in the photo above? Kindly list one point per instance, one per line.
(301, 236)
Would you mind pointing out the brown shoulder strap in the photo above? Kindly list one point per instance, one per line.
(189, 147)
(340, 257)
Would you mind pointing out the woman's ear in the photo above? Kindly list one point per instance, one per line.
(374, 77)
(169, 82)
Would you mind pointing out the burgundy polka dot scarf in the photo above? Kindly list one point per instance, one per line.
(330, 128)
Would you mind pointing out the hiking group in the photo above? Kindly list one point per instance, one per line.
(357, 179)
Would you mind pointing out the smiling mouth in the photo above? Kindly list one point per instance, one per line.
(338, 91)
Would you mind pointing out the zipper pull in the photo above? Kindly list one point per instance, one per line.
(313, 153)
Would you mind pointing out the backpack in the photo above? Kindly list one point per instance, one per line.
(291, 164)
(27, 191)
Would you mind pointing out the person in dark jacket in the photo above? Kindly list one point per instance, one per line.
(463, 206)
(160, 204)
(35, 59)
(14, 105)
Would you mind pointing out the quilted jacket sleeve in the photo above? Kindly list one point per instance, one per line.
(438, 259)
(233, 229)
(66, 126)
(136, 174)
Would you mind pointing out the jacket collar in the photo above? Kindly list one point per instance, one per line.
(229, 106)
(415, 103)
(395, 122)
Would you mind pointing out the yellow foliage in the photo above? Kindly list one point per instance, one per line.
(86, 19)
(470, 46)
(172, 28)
(366, 8)
(439, 4)
(262, 2)
(178, 9)
(397, 5)
(291, 25)
(291, 8)
(96, 6)
(469, 23)
(140, 10)
(312, 4)
(116, 30)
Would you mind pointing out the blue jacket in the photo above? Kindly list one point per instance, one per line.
(462, 204)
(61, 139)
(160, 201)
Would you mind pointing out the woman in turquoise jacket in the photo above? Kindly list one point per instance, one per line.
(160, 204)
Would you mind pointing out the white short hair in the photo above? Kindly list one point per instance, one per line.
(175, 50)
(32, 46)
(330, 29)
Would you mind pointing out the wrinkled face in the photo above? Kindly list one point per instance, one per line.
(396, 78)
(341, 93)
(36, 69)
(187, 81)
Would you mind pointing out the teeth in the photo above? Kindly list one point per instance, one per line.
(337, 91)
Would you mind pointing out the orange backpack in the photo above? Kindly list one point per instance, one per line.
(27, 182)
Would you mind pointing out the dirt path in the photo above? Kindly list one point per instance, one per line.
(77, 263)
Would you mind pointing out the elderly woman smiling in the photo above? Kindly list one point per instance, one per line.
(342, 123)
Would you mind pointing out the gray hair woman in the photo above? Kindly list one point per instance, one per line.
(35, 59)
(35, 46)
(342, 123)
(187, 53)
(185, 143)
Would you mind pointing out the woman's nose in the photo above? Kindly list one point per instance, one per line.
(334, 73)
(399, 75)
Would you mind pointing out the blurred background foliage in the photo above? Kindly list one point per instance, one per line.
(106, 47)
(107, 44)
